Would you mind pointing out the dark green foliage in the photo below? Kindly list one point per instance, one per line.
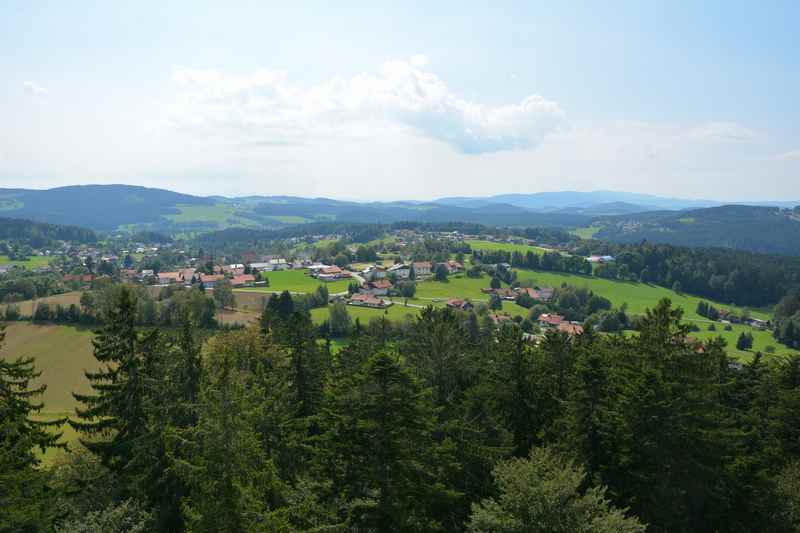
(26, 502)
(546, 493)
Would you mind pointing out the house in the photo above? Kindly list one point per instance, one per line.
(758, 323)
(550, 320)
(459, 304)
(278, 263)
(167, 278)
(368, 300)
(209, 280)
(453, 267)
(82, 278)
(570, 328)
(499, 320)
(233, 270)
(245, 280)
(400, 270)
(331, 273)
(545, 294)
(373, 272)
(379, 287)
(600, 258)
(422, 269)
(187, 274)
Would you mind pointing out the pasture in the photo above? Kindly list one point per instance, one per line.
(396, 312)
(491, 246)
(27, 307)
(34, 261)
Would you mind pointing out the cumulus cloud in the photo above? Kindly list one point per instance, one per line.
(793, 155)
(34, 89)
(266, 107)
(723, 132)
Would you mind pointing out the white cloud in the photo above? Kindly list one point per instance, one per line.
(793, 155)
(34, 89)
(265, 107)
(722, 132)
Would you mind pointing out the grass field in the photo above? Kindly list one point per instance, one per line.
(505, 246)
(638, 296)
(35, 261)
(587, 232)
(66, 299)
(220, 214)
(458, 286)
(289, 219)
(395, 312)
(61, 353)
(296, 281)
(761, 339)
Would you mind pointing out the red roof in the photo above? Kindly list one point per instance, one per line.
(570, 329)
(205, 278)
(381, 284)
(551, 319)
(367, 299)
(243, 279)
(331, 270)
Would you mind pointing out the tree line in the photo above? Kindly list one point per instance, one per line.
(427, 425)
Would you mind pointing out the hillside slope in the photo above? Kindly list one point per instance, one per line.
(756, 229)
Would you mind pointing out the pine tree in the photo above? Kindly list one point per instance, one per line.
(113, 419)
(25, 501)
(379, 449)
(232, 482)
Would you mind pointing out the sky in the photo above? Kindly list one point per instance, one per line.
(403, 100)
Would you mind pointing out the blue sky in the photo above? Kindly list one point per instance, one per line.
(342, 99)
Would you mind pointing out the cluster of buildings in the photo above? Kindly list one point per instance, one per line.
(552, 321)
(543, 294)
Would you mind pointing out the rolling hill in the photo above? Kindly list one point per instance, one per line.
(753, 228)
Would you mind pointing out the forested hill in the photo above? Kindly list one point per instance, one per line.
(101, 207)
(39, 234)
(757, 229)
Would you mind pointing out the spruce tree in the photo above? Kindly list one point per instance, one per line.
(26, 504)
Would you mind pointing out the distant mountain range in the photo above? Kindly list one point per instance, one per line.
(572, 200)
(617, 216)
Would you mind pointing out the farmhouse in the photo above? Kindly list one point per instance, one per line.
(422, 269)
(570, 328)
(167, 278)
(379, 287)
(209, 280)
(373, 272)
(331, 273)
(499, 320)
(544, 294)
(600, 258)
(400, 270)
(550, 320)
(453, 267)
(368, 300)
(456, 303)
(245, 280)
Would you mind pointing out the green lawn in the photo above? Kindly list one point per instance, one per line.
(761, 339)
(638, 296)
(505, 246)
(395, 312)
(458, 286)
(61, 353)
(587, 232)
(297, 281)
(289, 219)
(220, 214)
(35, 261)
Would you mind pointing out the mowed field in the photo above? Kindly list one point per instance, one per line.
(26, 307)
(61, 353)
(395, 312)
(491, 246)
(35, 261)
(296, 281)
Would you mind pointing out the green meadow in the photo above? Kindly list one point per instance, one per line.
(62, 354)
(490, 246)
(35, 261)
